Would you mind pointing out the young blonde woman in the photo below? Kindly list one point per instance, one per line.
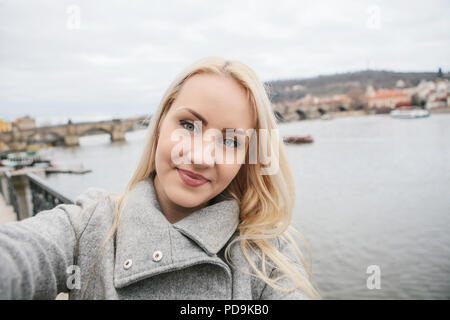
(191, 224)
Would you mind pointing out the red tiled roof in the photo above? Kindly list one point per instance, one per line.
(382, 94)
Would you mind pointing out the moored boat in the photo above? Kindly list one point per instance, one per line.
(18, 160)
(297, 139)
(409, 113)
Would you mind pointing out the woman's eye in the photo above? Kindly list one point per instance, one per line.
(191, 127)
(231, 143)
(187, 125)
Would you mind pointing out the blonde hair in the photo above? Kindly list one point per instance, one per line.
(265, 201)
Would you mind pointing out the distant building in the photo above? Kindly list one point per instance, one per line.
(307, 100)
(3, 146)
(336, 101)
(298, 87)
(370, 91)
(4, 126)
(438, 96)
(25, 123)
(400, 84)
(387, 98)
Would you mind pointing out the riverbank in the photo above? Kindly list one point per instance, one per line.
(294, 116)
(440, 110)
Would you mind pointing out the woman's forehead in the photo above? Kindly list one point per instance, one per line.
(215, 99)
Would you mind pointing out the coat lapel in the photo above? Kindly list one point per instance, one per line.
(144, 230)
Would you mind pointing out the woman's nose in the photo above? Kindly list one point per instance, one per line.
(202, 152)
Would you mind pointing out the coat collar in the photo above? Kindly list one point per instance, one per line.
(143, 229)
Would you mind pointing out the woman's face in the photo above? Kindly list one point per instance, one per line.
(192, 138)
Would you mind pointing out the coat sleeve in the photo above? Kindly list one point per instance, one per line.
(35, 253)
(269, 293)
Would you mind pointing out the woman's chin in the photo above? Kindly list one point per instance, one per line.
(186, 198)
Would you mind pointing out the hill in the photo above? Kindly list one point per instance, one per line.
(325, 85)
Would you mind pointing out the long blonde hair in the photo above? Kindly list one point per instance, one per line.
(265, 201)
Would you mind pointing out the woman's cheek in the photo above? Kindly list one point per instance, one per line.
(227, 172)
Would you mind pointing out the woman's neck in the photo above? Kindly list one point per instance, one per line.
(171, 210)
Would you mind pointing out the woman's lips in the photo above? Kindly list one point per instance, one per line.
(190, 180)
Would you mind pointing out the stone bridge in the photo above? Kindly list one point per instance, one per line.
(69, 134)
(291, 113)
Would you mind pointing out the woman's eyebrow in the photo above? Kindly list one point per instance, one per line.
(196, 114)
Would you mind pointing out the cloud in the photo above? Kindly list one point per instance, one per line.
(125, 53)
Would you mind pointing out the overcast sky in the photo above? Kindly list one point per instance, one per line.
(95, 58)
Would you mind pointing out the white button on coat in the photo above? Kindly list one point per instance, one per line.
(157, 256)
(127, 264)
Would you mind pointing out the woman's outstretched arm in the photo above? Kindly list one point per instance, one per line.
(35, 253)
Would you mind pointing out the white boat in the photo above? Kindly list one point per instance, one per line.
(409, 113)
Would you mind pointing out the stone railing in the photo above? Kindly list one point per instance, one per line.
(8, 190)
(27, 193)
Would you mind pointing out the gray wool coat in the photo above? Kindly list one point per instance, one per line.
(150, 258)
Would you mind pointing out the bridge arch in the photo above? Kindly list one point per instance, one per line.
(98, 130)
(301, 114)
(321, 111)
(278, 115)
(48, 137)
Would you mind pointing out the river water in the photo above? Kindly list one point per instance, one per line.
(372, 192)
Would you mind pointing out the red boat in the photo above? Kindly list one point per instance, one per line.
(298, 139)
